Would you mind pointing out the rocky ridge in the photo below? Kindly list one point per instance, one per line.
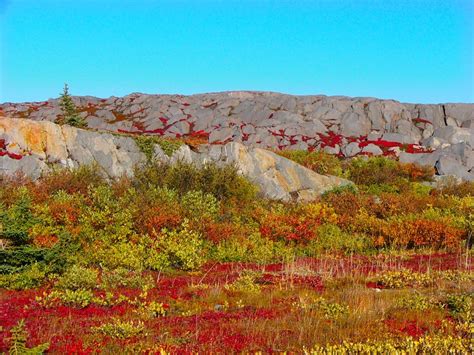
(35, 147)
(438, 135)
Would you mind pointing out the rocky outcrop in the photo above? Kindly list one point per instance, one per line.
(34, 147)
(339, 125)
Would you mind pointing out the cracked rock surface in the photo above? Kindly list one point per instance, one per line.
(441, 135)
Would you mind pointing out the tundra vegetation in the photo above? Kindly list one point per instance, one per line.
(185, 259)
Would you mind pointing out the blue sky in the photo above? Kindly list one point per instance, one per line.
(412, 51)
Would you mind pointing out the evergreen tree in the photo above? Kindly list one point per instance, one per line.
(70, 114)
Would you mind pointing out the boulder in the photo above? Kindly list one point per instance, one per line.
(448, 165)
(372, 149)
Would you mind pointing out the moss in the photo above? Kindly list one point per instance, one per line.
(169, 146)
(147, 145)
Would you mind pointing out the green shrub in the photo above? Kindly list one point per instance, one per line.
(253, 249)
(245, 283)
(415, 302)
(80, 298)
(421, 189)
(330, 238)
(78, 277)
(126, 255)
(29, 277)
(106, 218)
(385, 171)
(330, 310)
(16, 220)
(376, 170)
(121, 329)
(152, 310)
(122, 277)
(461, 306)
(318, 161)
(184, 248)
(349, 188)
(224, 183)
(198, 205)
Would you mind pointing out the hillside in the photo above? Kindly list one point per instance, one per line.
(440, 136)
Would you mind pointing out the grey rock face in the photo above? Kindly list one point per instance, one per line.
(274, 121)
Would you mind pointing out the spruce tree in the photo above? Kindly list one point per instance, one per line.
(70, 114)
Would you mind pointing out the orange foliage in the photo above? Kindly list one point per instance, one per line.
(156, 218)
(45, 241)
(288, 228)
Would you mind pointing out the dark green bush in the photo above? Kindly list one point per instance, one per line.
(16, 220)
(224, 183)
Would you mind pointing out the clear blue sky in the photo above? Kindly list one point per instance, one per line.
(409, 50)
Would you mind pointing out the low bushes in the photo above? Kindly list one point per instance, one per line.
(181, 216)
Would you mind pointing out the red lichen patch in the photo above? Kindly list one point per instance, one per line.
(119, 117)
(11, 155)
(387, 146)
(330, 140)
(91, 109)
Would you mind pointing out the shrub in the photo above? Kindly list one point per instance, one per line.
(415, 302)
(461, 306)
(245, 283)
(254, 248)
(147, 145)
(79, 298)
(130, 256)
(78, 180)
(78, 277)
(331, 310)
(421, 232)
(198, 205)
(382, 170)
(16, 220)
(437, 344)
(298, 224)
(224, 183)
(376, 170)
(405, 278)
(121, 329)
(330, 238)
(182, 248)
(152, 310)
(349, 188)
(29, 277)
(318, 161)
(106, 218)
(122, 277)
